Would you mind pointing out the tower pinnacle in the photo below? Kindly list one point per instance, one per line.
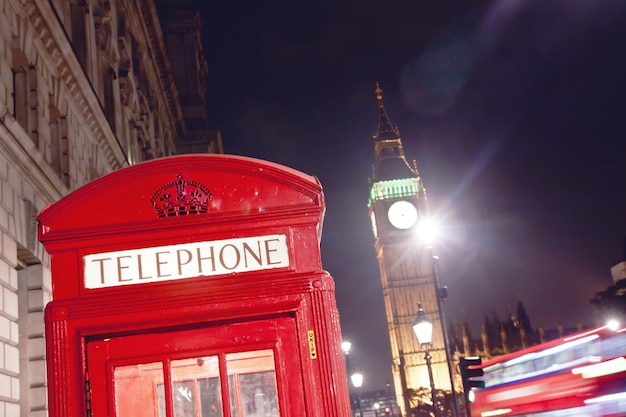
(390, 160)
(379, 94)
(385, 129)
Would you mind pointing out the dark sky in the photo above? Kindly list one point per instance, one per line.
(513, 110)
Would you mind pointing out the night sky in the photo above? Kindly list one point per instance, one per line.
(514, 111)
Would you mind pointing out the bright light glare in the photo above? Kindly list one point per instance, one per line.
(612, 324)
(345, 346)
(424, 332)
(428, 231)
(471, 396)
(357, 379)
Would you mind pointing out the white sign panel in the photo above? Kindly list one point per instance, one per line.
(163, 263)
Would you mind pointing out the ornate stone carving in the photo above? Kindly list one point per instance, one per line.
(103, 32)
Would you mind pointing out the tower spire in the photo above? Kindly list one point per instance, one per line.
(390, 160)
(385, 129)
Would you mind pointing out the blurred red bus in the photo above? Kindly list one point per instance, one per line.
(583, 374)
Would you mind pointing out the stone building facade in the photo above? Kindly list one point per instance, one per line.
(86, 87)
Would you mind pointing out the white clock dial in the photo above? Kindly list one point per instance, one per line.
(402, 214)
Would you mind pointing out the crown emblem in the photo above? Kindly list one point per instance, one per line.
(180, 198)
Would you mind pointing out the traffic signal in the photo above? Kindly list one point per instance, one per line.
(470, 372)
(387, 411)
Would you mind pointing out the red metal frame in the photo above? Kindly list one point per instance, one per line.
(248, 198)
(277, 334)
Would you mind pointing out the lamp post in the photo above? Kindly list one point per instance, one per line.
(357, 381)
(345, 346)
(428, 230)
(423, 329)
(388, 384)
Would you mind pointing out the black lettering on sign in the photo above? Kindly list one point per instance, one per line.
(312, 347)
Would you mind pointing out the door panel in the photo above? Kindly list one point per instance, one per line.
(252, 384)
(195, 386)
(133, 388)
(240, 370)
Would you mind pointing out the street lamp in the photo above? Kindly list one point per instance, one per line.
(428, 230)
(345, 346)
(423, 329)
(357, 381)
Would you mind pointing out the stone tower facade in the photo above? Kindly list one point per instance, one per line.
(86, 87)
(397, 207)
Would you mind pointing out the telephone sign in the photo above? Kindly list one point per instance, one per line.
(192, 286)
(185, 260)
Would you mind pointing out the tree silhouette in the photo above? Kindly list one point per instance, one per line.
(523, 319)
(422, 406)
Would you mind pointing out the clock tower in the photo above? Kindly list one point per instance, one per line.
(397, 206)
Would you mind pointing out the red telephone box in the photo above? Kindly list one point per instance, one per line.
(192, 286)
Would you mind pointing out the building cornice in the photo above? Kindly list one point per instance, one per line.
(395, 188)
(20, 150)
(164, 67)
(78, 86)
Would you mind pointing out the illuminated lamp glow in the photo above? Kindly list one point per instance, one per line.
(600, 369)
(606, 398)
(612, 324)
(428, 230)
(471, 396)
(357, 379)
(498, 412)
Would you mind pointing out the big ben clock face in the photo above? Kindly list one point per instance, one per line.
(402, 214)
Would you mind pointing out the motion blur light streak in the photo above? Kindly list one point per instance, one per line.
(592, 331)
(555, 382)
(498, 412)
(607, 398)
(547, 352)
(600, 369)
(516, 393)
(569, 345)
